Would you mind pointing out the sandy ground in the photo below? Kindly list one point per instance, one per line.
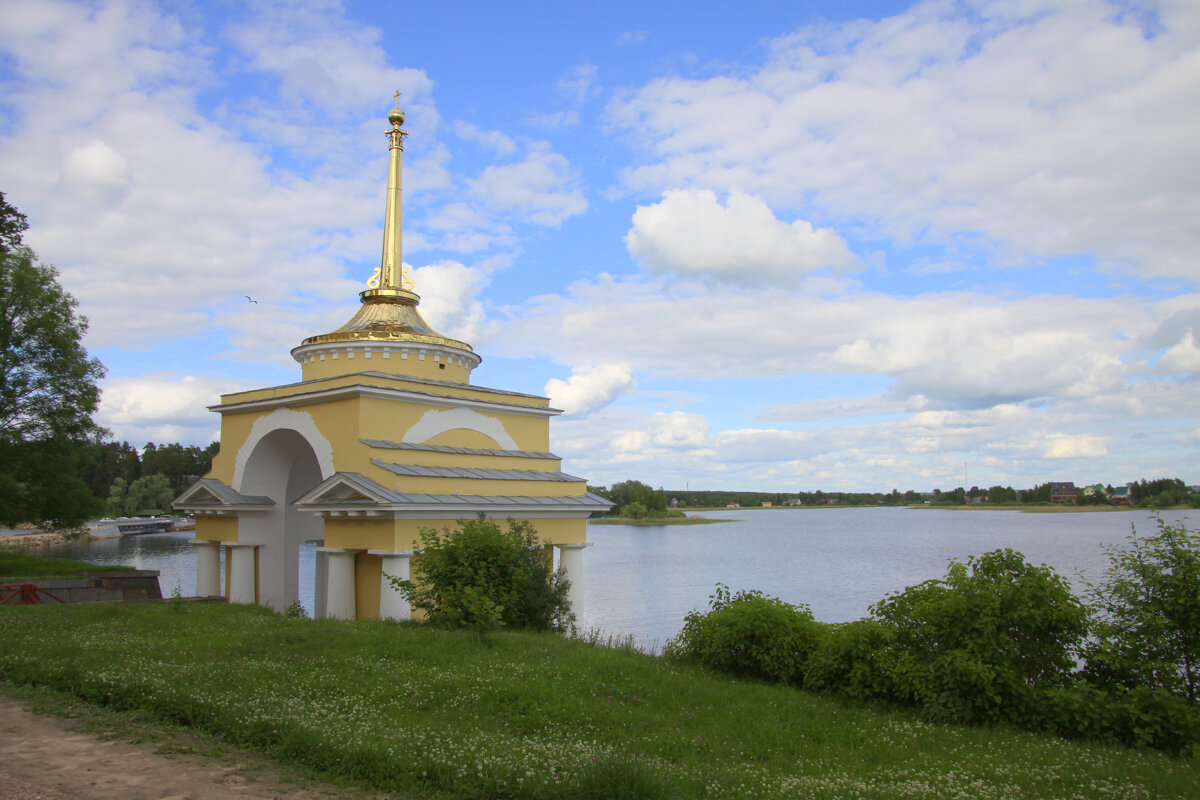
(48, 758)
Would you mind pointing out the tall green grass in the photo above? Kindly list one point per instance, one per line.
(16, 565)
(407, 709)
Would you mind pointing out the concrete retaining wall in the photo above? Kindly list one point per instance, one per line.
(93, 587)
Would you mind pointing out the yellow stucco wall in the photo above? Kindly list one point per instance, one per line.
(346, 421)
(359, 533)
(340, 363)
(368, 572)
(217, 529)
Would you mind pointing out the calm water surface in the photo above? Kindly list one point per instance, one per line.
(641, 581)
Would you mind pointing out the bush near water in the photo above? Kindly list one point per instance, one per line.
(998, 640)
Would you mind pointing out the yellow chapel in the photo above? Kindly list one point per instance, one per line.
(382, 436)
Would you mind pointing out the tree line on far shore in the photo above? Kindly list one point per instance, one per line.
(125, 482)
(635, 500)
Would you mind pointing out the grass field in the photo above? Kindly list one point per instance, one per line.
(18, 565)
(420, 712)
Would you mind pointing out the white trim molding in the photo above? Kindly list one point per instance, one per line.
(434, 423)
(284, 419)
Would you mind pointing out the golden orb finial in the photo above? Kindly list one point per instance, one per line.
(396, 116)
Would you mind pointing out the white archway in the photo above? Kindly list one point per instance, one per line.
(281, 464)
(299, 422)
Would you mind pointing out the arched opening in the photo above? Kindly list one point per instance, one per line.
(282, 466)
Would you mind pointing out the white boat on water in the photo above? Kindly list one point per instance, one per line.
(131, 526)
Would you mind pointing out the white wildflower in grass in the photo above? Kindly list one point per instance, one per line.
(410, 710)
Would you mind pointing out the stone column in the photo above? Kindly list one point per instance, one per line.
(243, 582)
(340, 599)
(570, 561)
(208, 568)
(392, 604)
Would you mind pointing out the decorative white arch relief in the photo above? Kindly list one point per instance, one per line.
(433, 423)
(284, 419)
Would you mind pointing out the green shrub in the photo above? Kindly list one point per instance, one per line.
(482, 577)
(1148, 608)
(844, 660)
(748, 634)
(634, 510)
(971, 647)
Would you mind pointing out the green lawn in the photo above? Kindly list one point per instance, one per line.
(18, 565)
(415, 711)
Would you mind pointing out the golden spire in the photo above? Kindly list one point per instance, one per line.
(389, 306)
(391, 279)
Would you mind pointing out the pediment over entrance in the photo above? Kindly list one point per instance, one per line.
(346, 489)
(349, 493)
(211, 496)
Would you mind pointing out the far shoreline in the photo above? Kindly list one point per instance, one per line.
(645, 523)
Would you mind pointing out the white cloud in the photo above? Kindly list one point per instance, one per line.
(690, 232)
(157, 214)
(1183, 357)
(589, 388)
(955, 349)
(1063, 446)
(579, 84)
(450, 298)
(1062, 129)
(164, 407)
(322, 58)
(635, 36)
(540, 187)
(96, 173)
(839, 408)
(495, 141)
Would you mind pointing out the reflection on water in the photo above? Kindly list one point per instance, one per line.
(642, 581)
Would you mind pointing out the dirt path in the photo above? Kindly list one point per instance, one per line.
(48, 758)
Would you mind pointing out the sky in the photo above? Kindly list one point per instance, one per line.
(764, 245)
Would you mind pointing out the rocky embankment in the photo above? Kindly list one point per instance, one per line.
(39, 538)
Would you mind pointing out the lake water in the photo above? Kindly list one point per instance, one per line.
(641, 581)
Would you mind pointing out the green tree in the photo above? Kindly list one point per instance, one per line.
(149, 494)
(180, 464)
(970, 646)
(107, 461)
(12, 225)
(48, 389)
(482, 577)
(1148, 606)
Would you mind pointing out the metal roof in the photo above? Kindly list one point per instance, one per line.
(376, 495)
(437, 448)
(474, 473)
(222, 495)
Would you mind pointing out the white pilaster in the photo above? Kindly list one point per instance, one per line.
(243, 582)
(208, 567)
(340, 600)
(392, 604)
(570, 561)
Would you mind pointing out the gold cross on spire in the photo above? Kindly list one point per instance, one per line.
(397, 96)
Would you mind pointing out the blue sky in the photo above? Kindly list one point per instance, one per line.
(765, 245)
